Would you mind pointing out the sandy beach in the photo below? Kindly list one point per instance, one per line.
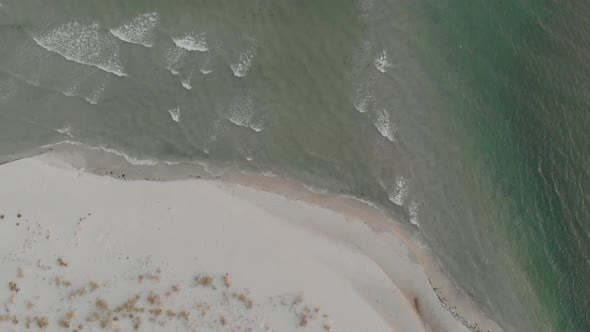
(88, 252)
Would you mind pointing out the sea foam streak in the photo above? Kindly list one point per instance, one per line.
(87, 85)
(7, 88)
(186, 83)
(84, 44)
(174, 58)
(384, 125)
(96, 95)
(186, 79)
(175, 114)
(382, 63)
(66, 130)
(363, 98)
(242, 114)
(192, 42)
(413, 212)
(400, 192)
(130, 159)
(139, 30)
(241, 68)
(366, 7)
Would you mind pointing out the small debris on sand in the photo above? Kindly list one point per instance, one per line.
(93, 317)
(62, 262)
(13, 287)
(60, 282)
(303, 321)
(19, 273)
(66, 322)
(93, 286)
(185, 315)
(154, 299)
(246, 301)
(226, 280)
(137, 323)
(205, 281)
(102, 305)
(151, 277)
(28, 321)
(78, 292)
(298, 300)
(42, 322)
(158, 310)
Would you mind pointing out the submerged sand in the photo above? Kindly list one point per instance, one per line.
(241, 253)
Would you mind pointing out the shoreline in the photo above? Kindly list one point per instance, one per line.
(434, 298)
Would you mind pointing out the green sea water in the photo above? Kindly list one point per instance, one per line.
(465, 119)
(516, 75)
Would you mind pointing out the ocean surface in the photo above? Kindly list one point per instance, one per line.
(469, 120)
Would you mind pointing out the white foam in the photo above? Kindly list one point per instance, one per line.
(66, 130)
(26, 80)
(174, 57)
(257, 127)
(269, 174)
(242, 114)
(175, 114)
(139, 30)
(363, 98)
(400, 192)
(241, 68)
(248, 155)
(84, 44)
(93, 97)
(96, 95)
(381, 62)
(7, 88)
(315, 189)
(186, 83)
(366, 7)
(364, 201)
(130, 159)
(218, 129)
(71, 91)
(192, 42)
(413, 212)
(205, 64)
(384, 125)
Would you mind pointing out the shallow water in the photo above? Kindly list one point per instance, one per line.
(466, 120)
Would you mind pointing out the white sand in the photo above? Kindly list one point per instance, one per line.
(292, 265)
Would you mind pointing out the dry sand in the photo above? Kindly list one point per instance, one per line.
(86, 252)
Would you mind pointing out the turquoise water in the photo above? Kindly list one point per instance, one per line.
(521, 72)
(466, 119)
